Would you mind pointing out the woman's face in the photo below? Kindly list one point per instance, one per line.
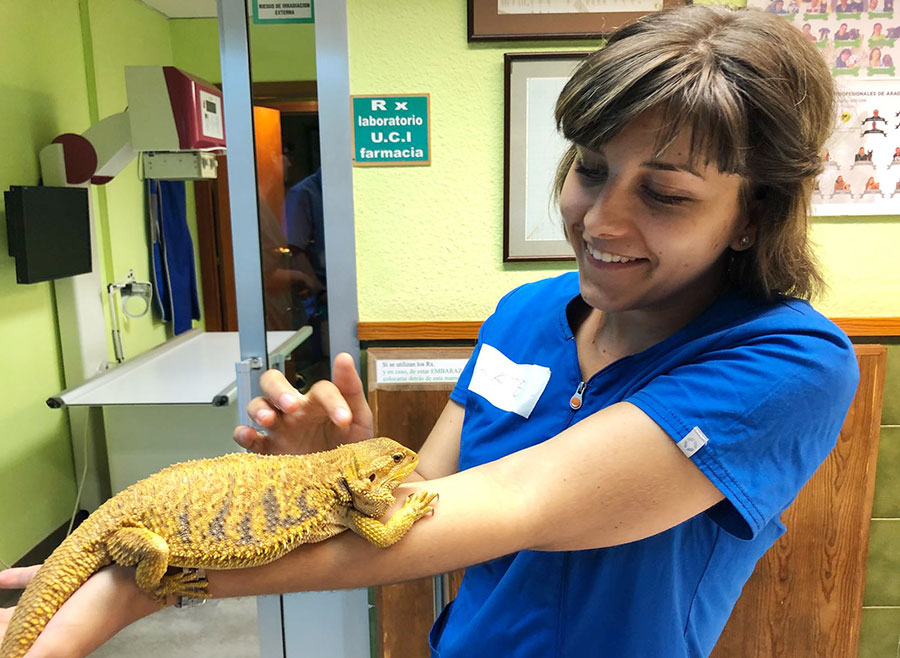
(648, 231)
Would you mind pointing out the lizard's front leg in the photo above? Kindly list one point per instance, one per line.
(149, 553)
(384, 534)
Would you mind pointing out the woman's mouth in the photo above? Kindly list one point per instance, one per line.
(605, 258)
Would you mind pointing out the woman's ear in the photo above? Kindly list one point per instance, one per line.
(746, 230)
(745, 238)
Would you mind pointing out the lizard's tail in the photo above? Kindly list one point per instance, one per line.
(67, 568)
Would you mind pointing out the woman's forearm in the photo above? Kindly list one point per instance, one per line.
(452, 538)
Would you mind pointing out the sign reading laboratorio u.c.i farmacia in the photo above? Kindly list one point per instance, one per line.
(391, 130)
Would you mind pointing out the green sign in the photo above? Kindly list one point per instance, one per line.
(285, 11)
(391, 130)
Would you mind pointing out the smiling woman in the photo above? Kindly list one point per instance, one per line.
(650, 227)
(723, 97)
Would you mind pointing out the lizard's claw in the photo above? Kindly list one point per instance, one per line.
(420, 503)
(191, 583)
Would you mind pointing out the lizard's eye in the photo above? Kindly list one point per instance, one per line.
(372, 478)
(398, 457)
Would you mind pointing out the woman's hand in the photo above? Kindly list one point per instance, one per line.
(108, 602)
(15, 578)
(331, 413)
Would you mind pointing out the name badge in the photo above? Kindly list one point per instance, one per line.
(507, 385)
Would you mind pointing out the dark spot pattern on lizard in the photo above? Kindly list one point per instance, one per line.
(217, 525)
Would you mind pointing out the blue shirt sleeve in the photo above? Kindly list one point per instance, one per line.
(769, 405)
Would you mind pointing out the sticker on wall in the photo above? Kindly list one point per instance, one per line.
(287, 11)
(391, 130)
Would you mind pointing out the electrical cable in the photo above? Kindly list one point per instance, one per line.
(87, 420)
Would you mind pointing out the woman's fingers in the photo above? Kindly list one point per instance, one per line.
(279, 392)
(325, 398)
(248, 438)
(347, 380)
(17, 577)
(262, 412)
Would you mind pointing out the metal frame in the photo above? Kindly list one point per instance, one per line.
(346, 610)
(234, 52)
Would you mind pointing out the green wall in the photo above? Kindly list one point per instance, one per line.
(446, 220)
(62, 64)
(42, 94)
(277, 52)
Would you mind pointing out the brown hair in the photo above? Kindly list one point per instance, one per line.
(758, 100)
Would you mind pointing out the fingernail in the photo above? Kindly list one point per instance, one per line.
(341, 415)
(288, 400)
(265, 416)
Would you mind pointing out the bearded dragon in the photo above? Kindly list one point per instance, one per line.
(239, 510)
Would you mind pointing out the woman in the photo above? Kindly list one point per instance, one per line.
(875, 58)
(616, 455)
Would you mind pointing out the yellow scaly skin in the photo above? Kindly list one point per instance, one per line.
(240, 510)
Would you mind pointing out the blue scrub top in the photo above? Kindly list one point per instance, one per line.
(754, 393)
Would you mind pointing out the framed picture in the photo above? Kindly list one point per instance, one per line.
(532, 225)
(501, 20)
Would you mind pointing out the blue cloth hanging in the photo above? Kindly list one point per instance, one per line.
(172, 253)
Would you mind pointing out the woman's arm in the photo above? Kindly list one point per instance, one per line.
(613, 478)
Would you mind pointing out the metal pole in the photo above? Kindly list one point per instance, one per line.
(237, 103)
(234, 52)
(335, 137)
(345, 614)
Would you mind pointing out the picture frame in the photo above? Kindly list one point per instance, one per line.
(504, 20)
(532, 225)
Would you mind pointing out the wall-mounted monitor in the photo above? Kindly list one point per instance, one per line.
(49, 232)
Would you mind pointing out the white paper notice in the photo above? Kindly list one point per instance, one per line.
(414, 371)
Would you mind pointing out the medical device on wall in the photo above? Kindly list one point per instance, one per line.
(128, 289)
(48, 232)
(169, 112)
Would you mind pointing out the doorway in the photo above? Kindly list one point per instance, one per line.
(286, 136)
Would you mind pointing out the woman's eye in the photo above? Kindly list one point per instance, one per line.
(664, 199)
(592, 175)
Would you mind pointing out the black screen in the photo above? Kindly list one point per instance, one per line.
(49, 232)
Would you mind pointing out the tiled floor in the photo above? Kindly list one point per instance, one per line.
(224, 628)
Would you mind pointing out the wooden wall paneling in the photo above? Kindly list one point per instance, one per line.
(805, 597)
(468, 330)
(406, 413)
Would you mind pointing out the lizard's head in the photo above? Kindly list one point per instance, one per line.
(380, 465)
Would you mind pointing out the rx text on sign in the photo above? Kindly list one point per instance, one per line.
(391, 130)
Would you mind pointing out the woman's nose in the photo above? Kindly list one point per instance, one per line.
(608, 215)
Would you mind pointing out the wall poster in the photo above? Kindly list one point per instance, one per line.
(859, 41)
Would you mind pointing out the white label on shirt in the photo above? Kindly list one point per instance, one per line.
(507, 385)
(692, 442)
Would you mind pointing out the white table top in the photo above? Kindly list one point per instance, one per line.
(195, 368)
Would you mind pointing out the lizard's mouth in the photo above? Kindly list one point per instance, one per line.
(404, 471)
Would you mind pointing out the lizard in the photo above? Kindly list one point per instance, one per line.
(238, 510)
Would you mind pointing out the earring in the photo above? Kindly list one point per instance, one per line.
(745, 241)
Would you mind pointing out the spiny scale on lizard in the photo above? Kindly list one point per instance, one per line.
(240, 510)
